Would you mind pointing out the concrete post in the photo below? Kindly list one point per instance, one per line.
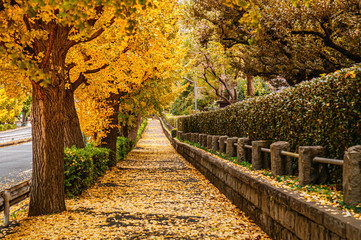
(231, 149)
(352, 176)
(215, 143)
(7, 207)
(259, 160)
(209, 141)
(188, 136)
(204, 140)
(222, 144)
(184, 135)
(179, 134)
(193, 137)
(308, 171)
(196, 137)
(280, 165)
(201, 139)
(243, 154)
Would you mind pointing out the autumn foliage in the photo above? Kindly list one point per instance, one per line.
(104, 50)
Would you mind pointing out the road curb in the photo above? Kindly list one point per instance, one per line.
(15, 142)
(15, 129)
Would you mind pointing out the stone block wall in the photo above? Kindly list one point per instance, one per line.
(282, 213)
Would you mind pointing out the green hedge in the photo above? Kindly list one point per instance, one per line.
(4, 127)
(83, 166)
(325, 111)
(172, 120)
(124, 146)
(142, 128)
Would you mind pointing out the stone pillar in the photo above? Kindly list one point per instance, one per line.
(188, 136)
(204, 140)
(243, 154)
(179, 134)
(184, 136)
(196, 138)
(209, 142)
(231, 149)
(352, 176)
(259, 160)
(193, 137)
(201, 139)
(308, 171)
(215, 143)
(280, 165)
(222, 144)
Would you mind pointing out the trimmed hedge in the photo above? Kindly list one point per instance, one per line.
(142, 129)
(325, 111)
(124, 146)
(83, 166)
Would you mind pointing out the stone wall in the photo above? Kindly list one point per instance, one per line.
(282, 213)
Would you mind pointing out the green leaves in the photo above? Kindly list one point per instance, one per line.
(325, 111)
(83, 167)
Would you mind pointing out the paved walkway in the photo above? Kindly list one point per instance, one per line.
(153, 194)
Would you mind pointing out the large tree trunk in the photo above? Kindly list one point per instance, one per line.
(47, 187)
(73, 135)
(110, 141)
(133, 132)
(47, 193)
(250, 86)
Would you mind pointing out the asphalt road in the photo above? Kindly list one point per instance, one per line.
(16, 134)
(15, 164)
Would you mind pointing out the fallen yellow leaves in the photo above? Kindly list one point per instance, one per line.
(153, 194)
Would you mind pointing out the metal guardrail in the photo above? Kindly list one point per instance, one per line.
(296, 155)
(328, 161)
(248, 146)
(13, 196)
(290, 154)
(266, 150)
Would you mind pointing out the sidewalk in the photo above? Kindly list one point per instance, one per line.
(153, 194)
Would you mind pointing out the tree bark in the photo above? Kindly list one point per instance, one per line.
(73, 135)
(133, 132)
(47, 186)
(110, 141)
(250, 86)
(47, 193)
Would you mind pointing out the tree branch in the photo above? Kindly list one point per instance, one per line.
(215, 89)
(329, 43)
(50, 46)
(82, 78)
(211, 70)
(93, 36)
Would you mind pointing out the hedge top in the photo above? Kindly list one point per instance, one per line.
(324, 111)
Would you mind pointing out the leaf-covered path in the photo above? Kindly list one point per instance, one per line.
(153, 194)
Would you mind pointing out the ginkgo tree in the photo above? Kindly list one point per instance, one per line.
(35, 37)
(139, 76)
(10, 107)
